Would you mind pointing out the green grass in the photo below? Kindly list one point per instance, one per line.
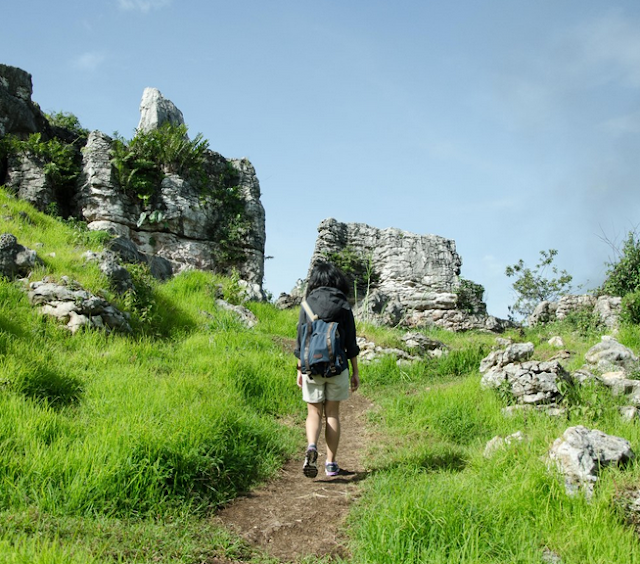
(433, 497)
(136, 436)
(119, 448)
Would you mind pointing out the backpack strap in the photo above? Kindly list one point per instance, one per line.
(309, 311)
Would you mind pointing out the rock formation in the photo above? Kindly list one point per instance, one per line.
(18, 114)
(76, 307)
(581, 454)
(607, 308)
(15, 259)
(181, 223)
(404, 278)
(156, 110)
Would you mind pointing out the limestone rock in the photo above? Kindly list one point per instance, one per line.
(15, 259)
(530, 382)
(25, 175)
(609, 355)
(609, 308)
(418, 274)
(180, 232)
(76, 307)
(421, 344)
(517, 352)
(606, 307)
(556, 342)
(246, 316)
(156, 110)
(18, 114)
(498, 443)
(581, 453)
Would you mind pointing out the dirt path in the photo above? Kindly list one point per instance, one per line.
(294, 516)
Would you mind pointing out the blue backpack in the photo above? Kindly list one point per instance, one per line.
(321, 352)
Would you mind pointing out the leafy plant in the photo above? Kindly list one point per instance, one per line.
(60, 165)
(470, 296)
(358, 266)
(141, 163)
(623, 276)
(585, 322)
(140, 300)
(532, 286)
(67, 121)
(631, 308)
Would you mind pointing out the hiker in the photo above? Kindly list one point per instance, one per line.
(326, 297)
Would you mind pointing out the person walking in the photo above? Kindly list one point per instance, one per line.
(326, 295)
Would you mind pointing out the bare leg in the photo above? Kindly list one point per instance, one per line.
(314, 422)
(332, 431)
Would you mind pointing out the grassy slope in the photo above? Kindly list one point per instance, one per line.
(435, 498)
(116, 448)
(107, 437)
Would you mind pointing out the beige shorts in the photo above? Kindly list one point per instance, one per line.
(317, 389)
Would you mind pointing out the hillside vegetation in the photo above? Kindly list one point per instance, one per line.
(119, 448)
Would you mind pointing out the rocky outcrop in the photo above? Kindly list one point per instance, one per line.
(76, 307)
(607, 308)
(610, 355)
(18, 114)
(156, 110)
(413, 280)
(415, 347)
(15, 259)
(581, 453)
(181, 224)
(529, 382)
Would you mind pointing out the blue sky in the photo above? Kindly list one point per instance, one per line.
(509, 126)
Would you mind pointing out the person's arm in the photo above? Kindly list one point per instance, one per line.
(298, 350)
(355, 374)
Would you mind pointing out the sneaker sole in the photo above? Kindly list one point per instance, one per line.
(310, 469)
(331, 473)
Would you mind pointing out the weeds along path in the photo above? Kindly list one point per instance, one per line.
(293, 516)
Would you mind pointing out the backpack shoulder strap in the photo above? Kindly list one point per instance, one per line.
(309, 311)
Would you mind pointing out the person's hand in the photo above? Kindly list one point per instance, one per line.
(355, 381)
(299, 379)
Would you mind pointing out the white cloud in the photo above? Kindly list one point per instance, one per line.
(609, 49)
(143, 6)
(621, 125)
(542, 88)
(89, 61)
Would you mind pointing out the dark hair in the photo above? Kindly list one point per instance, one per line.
(328, 275)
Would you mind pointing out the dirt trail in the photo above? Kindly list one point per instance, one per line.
(294, 516)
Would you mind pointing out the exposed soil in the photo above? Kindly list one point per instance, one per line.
(294, 516)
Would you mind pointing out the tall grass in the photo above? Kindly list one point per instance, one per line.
(434, 497)
(117, 448)
(144, 430)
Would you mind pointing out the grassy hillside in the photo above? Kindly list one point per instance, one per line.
(117, 448)
(157, 427)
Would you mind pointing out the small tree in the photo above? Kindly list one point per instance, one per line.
(532, 286)
(623, 278)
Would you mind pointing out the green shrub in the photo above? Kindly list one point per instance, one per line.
(533, 286)
(631, 307)
(358, 267)
(623, 276)
(60, 161)
(585, 322)
(141, 163)
(67, 121)
(470, 296)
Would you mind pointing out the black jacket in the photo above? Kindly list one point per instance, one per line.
(331, 304)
